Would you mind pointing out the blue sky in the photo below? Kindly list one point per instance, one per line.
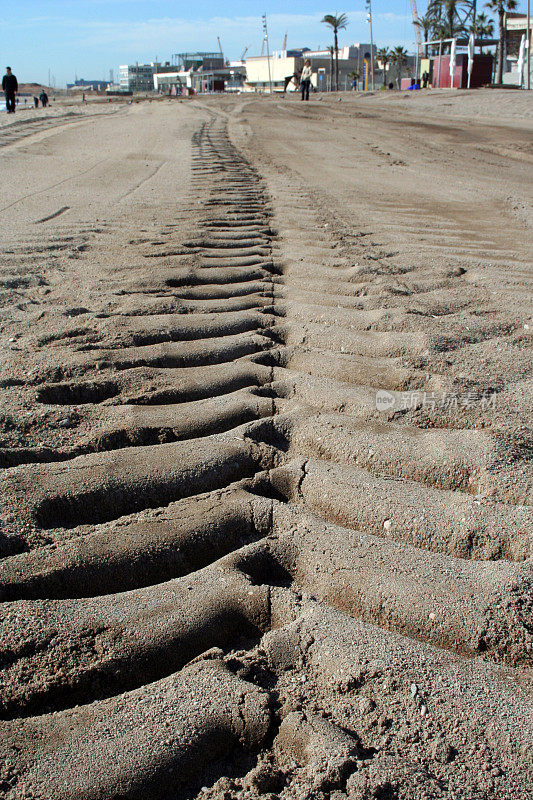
(91, 37)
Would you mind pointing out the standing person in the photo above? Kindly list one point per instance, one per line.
(305, 79)
(10, 86)
(35, 101)
(43, 97)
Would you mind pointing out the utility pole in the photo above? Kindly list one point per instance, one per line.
(528, 42)
(369, 20)
(265, 32)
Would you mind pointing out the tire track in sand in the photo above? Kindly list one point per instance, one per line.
(202, 590)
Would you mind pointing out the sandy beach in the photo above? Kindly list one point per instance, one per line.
(265, 448)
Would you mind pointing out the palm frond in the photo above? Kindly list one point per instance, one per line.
(337, 23)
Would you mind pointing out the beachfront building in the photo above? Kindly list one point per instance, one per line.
(137, 77)
(260, 70)
(196, 61)
(195, 73)
(515, 27)
(190, 73)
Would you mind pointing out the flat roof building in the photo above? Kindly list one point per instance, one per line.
(204, 78)
(515, 28)
(259, 72)
(208, 61)
(137, 77)
(82, 85)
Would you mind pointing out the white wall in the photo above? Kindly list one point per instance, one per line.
(257, 69)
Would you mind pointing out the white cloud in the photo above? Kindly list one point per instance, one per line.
(169, 34)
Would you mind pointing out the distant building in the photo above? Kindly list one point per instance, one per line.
(81, 85)
(196, 61)
(355, 51)
(286, 62)
(197, 73)
(137, 77)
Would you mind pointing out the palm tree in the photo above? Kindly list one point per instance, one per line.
(448, 16)
(399, 57)
(354, 75)
(337, 24)
(425, 24)
(500, 7)
(484, 27)
(384, 56)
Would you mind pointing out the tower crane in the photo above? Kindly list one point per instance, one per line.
(244, 52)
(284, 45)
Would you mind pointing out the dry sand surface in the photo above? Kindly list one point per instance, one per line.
(266, 525)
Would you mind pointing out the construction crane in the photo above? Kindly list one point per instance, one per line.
(418, 33)
(244, 52)
(284, 45)
(220, 48)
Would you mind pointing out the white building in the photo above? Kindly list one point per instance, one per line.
(179, 79)
(137, 77)
(260, 70)
(515, 27)
(349, 51)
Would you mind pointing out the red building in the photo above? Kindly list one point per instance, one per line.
(439, 73)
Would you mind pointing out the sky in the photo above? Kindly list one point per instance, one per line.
(87, 38)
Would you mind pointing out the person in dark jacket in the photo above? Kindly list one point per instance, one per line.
(295, 78)
(10, 86)
(43, 97)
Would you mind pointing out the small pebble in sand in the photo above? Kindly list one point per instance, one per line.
(423, 710)
(387, 524)
(414, 689)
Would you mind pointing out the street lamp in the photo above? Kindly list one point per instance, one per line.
(369, 20)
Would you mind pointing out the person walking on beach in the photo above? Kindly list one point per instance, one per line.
(305, 79)
(10, 86)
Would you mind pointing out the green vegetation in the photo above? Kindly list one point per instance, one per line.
(337, 24)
